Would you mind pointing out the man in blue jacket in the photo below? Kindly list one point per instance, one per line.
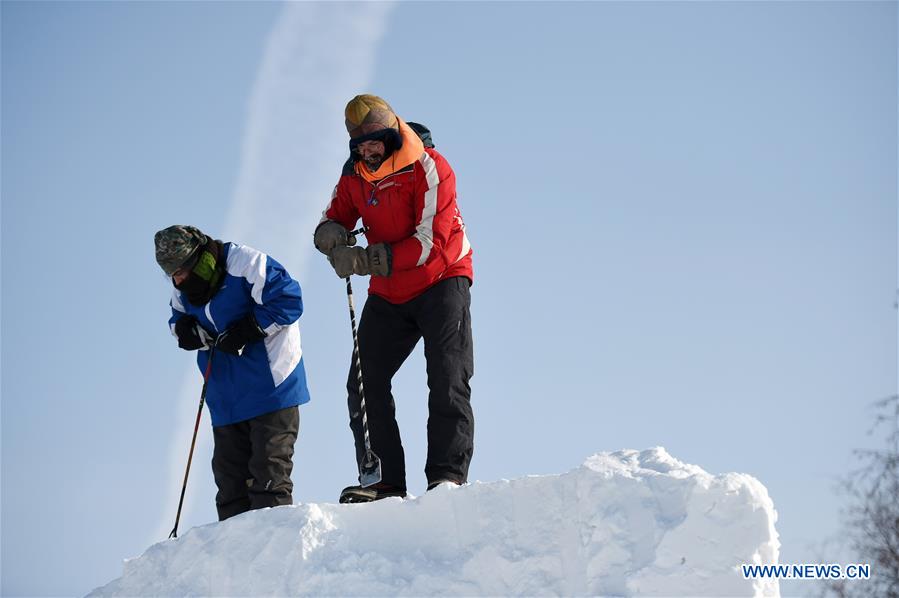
(240, 308)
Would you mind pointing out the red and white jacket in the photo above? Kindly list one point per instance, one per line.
(410, 203)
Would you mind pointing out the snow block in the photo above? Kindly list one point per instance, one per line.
(625, 523)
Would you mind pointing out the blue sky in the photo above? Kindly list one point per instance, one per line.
(683, 214)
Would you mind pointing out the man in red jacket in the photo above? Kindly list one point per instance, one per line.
(419, 260)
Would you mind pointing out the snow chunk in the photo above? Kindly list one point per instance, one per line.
(624, 523)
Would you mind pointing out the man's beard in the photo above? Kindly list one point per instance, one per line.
(373, 162)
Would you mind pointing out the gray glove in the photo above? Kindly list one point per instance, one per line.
(380, 259)
(349, 260)
(330, 234)
(375, 260)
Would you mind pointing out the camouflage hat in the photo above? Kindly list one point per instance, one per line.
(175, 246)
(367, 113)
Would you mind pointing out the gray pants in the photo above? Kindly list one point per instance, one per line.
(252, 461)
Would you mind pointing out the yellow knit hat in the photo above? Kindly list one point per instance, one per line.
(368, 113)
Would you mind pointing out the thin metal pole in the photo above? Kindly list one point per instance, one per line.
(370, 468)
(193, 442)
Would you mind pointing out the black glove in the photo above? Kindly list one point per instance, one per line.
(375, 259)
(241, 333)
(191, 336)
(330, 234)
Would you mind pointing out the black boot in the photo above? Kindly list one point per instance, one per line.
(432, 485)
(353, 494)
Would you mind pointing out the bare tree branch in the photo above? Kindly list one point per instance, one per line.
(871, 521)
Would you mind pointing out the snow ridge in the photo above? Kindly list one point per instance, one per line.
(624, 523)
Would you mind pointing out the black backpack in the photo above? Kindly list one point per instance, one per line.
(423, 133)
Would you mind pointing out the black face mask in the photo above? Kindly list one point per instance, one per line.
(195, 289)
(206, 276)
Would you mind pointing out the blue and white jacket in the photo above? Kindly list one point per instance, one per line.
(269, 375)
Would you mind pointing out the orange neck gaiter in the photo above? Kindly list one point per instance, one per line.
(408, 154)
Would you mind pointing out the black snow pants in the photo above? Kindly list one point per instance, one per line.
(387, 334)
(252, 461)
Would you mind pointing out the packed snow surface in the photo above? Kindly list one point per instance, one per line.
(624, 523)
